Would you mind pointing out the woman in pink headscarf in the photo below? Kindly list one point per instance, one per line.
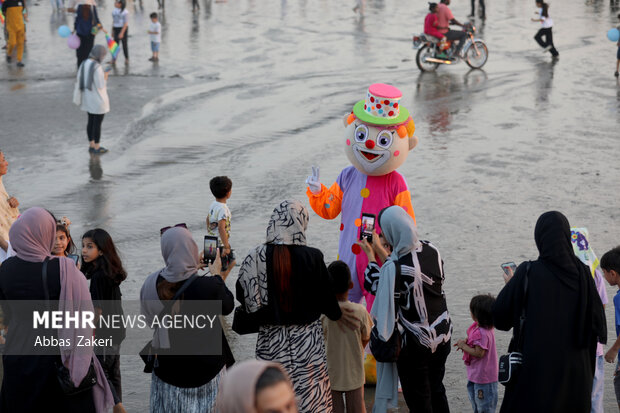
(30, 373)
(256, 386)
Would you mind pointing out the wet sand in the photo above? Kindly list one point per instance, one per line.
(257, 90)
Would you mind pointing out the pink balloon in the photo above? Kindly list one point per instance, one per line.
(73, 41)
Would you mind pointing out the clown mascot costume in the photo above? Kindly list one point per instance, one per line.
(378, 137)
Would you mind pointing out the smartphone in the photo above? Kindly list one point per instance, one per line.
(368, 225)
(107, 68)
(210, 249)
(505, 266)
(74, 257)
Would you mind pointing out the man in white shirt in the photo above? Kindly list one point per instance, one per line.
(8, 211)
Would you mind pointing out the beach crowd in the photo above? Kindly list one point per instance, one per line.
(312, 342)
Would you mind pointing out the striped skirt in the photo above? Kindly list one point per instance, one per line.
(301, 351)
(166, 398)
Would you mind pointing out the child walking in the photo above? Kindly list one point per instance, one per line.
(218, 220)
(155, 32)
(120, 25)
(546, 29)
(610, 264)
(480, 356)
(345, 349)
(103, 267)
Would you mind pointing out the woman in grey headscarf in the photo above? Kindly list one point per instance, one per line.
(92, 96)
(285, 284)
(185, 383)
(421, 315)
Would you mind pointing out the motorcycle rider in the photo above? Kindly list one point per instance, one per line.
(444, 19)
(430, 27)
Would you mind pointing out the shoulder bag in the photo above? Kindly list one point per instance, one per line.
(148, 354)
(62, 373)
(510, 364)
(388, 351)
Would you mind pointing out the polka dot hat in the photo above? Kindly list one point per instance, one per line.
(381, 106)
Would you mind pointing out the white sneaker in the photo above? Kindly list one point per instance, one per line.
(546, 49)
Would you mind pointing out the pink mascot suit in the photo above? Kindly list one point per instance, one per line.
(378, 137)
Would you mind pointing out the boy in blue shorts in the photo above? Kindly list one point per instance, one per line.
(610, 264)
(155, 32)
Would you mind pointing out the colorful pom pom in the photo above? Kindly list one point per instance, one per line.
(402, 131)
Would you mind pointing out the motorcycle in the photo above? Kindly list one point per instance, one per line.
(432, 52)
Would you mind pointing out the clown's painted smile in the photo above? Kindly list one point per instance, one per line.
(371, 159)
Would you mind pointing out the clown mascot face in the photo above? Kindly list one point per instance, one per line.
(377, 139)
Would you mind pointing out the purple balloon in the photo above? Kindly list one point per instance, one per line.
(73, 41)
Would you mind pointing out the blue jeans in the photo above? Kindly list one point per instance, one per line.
(598, 386)
(483, 397)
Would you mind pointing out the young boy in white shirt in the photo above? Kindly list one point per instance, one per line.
(155, 32)
(218, 220)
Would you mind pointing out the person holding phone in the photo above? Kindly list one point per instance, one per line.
(562, 308)
(190, 382)
(423, 315)
(92, 83)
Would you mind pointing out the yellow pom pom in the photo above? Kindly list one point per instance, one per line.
(411, 127)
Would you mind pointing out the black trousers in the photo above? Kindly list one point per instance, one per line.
(93, 128)
(482, 9)
(111, 364)
(548, 34)
(457, 35)
(123, 41)
(421, 376)
(86, 45)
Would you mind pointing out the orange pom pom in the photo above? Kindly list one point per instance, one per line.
(350, 119)
(411, 127)
(402, 131)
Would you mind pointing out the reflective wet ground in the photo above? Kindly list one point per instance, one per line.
(256, 90)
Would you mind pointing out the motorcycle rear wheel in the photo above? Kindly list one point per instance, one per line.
(420, 59)
(476, 54)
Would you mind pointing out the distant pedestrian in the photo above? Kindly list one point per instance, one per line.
(92, 82)
(15, 13)
(120, 26)
(481, 9)
(155, 32)
(546, 29)
(345, 347)
(85, 26)
(480, 356)
(616, 74)
(360, 5)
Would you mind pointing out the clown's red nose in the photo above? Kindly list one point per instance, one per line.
(370, 144)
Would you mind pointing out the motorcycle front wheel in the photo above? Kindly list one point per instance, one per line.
(421, 57)
(476, 54)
